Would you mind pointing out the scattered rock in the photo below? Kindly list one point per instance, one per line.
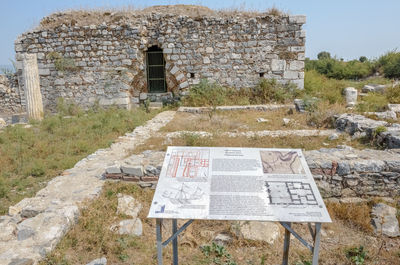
(267, 232)
(300, 105)
(384, 220)
(152, 170)
(128, 205)
(391, 139)
(384, 115)
(373, 88)
(333, 136)
(286, 121)
(351, 96)
(223, 239)
(353, 123)
(262, 120)
(101, 261)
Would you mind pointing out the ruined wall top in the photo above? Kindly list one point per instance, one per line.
(132, 16)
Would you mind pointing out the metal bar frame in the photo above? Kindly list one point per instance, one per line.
(314, 248)
(148, 72)
(173, 238)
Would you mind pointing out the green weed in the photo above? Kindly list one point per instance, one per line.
(357, 255)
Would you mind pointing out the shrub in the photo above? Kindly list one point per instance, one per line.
(269, 90)
(61, 63)
(318, 85)
(333, 68)
(373, 102)
(323, 55)
(389, 64)
(393, 94)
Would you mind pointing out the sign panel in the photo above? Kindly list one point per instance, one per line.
(227, 183)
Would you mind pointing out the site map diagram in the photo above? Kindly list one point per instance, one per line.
(229, 183)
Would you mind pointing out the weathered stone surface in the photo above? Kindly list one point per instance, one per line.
(21, 262)
(267, 232)
(384, 114)
(373, 88)
(128, 205)
(384, 220)
(353, 123)
(351, 96)
(391, 139)
(394, 107)
(131, 227)
(134, 170)
(101, 261)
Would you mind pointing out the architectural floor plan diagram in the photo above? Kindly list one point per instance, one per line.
(290, 193)
(192, 164)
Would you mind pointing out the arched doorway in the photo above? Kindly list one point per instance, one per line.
(155, 70)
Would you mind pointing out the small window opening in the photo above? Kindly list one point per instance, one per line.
(261, 74)
(191, 75)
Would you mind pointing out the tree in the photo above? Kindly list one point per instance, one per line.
(323, 55)
(363, 59)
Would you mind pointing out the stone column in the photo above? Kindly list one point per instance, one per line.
(30, 72)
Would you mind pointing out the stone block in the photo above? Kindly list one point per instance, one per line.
(290, 75)
(143, 96)
(113, 170)
(297, 19)
(296, 65)
(132, 170)
(155, 105)
(278, 65)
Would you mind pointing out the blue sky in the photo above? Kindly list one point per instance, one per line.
(346, 28)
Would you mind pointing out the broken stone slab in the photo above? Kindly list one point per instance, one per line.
(132, 170)
(128, 205)
(131, 227)
(113, 170)
(267, 232)
(152, 170)
(384, 220)
(391, 139)
(384, 114)
(351, 96)
(352, 123)
(101, 261)
(394, 107)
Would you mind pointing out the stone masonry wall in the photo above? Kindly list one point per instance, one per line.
(107, 62)
(10, 100)
(339, 172)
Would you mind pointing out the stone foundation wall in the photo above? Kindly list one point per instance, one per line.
(106, 62)
(338, 172)
(10, 100)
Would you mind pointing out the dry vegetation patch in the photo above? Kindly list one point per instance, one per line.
(91, 238)
(240, 121)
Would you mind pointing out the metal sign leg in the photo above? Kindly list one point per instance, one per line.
(175, 242)
(317, 240)
(286, 245)
(159, 241)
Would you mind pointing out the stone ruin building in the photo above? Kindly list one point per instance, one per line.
(124, 57)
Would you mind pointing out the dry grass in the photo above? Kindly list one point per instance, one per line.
(93, 16)
(241, 121)
(355, 214)
(305, 143)
(91, 238)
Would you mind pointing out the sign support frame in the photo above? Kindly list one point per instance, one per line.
(314, 247)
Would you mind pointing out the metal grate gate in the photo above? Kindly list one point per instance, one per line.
(155, 71)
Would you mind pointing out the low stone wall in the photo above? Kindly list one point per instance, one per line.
(339, 172)
(10, 100)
